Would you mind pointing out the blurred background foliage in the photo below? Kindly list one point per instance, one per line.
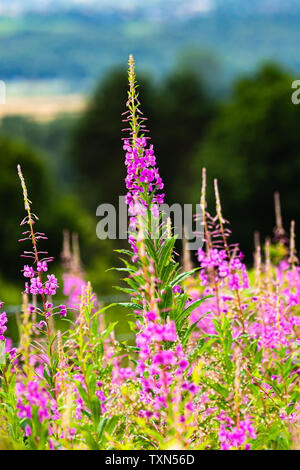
(253, 148)
(210, 100)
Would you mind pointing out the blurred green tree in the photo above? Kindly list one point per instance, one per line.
(182, 114)
(12, 206)
(56, 211)
(178, 113)
(253, 148)
(96, 146)
(49, 138)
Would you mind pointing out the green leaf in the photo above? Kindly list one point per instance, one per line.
(181, 317)
(90, 441)
(167, 272)
(108, 330)
(220, 389)
(164, 254)
(228, 341)
(188, 333)
(130, 305)
(166, 302)
(83, 394)
(151, 249)
(126, 290)
(120, 269)
(181, 277)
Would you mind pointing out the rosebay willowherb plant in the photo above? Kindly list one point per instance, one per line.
(215, 364)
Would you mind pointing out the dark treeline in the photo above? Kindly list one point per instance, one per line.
(250, 141)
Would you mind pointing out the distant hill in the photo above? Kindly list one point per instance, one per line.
(76, 42)
(180, 7)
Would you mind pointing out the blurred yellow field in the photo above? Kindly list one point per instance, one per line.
(42, 108)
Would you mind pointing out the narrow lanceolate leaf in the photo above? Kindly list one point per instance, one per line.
(120, 270)
(126, 290)
(125, 252)
(166, 303)
(181, 317)
(188, 333)
(196, 304)
(130, 305)
(167, 272)
(181, 277)
(151, 249)
(108, 330)
(165, 253)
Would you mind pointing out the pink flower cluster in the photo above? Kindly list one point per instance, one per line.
(29, 271)
(37, 287)
(235, 436)
(3, 321)
(72, 288)
(121, 374)
(142, 181)
(141, 169)
(278, 321)
(154, 332)
(161, 371)
(233, 270)
(31, 396)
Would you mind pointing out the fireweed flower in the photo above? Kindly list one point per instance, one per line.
(3, 328)
(176, 289)
(63, 310)
(161, 370)
(162, 364)
(42, 266)
(72, 288)
(28, 271)
(31, 399)
(35, 285)
(143, 181)
(232, 437)
(216, 372)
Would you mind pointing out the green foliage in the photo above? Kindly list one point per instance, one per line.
(50, 139)
(253, 148)
(11, 208)
(59, 210)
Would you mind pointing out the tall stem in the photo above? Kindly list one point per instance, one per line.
(33, 238)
